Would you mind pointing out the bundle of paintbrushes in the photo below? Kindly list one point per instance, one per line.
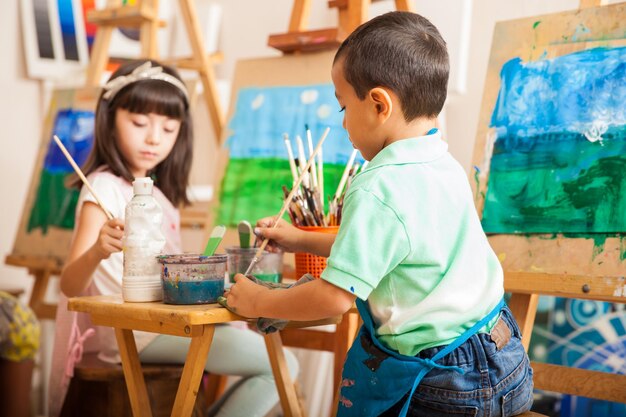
(307, 204)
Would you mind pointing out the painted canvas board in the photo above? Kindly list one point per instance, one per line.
(560, 149)
(550, 151)
(54, 38)
(549, 181)
(48, 216)
(271, 97)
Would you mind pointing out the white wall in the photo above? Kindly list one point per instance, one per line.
(245, 28)
(20, 121)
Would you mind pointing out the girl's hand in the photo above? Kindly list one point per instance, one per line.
(110, 238)
(284, 237)
(243, 296)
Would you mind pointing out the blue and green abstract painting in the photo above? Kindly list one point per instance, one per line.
(559, 160)
(258, 165)
(55, 204)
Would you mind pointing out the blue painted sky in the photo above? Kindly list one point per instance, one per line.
(75, 129)
(263, 114)
(583, 92)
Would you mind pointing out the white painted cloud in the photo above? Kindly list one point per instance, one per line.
(258, 102)
(323, 111)
(309, 96)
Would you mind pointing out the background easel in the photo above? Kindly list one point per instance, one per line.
(299, 38)
(144, 15)
(561, 266)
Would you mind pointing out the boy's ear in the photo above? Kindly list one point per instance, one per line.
(382, 101)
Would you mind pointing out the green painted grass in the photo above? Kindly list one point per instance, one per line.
(251, 188)
(54, 204)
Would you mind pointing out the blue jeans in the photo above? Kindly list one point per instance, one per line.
(496, 383)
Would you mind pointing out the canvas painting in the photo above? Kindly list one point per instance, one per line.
(54, 38)
(559, 156)
(258, 166)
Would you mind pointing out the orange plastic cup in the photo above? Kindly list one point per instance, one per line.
(307, 263)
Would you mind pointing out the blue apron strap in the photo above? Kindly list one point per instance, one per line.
(469, 332)
(449, 348)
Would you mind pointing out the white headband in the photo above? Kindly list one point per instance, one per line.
(143, 72)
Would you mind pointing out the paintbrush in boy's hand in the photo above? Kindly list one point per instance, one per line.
(259, 252)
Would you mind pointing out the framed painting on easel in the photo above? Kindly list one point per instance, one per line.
(54, 37)
(550, 183)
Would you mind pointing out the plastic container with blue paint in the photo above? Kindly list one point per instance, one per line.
(192, 279)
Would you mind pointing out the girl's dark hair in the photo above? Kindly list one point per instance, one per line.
(144, 96)
(401, 51)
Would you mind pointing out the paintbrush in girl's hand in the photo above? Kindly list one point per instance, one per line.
(81, 176)
(259, 252)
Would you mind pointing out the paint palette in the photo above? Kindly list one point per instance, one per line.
(192, 279)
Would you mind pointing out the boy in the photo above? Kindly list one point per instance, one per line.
(436, 338)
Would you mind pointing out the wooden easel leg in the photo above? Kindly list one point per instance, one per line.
(405, 6)
(299, 15)
(352, 16)
(524, 309)
(99, 55)
(135, 382)
(192, 372)
(37, 297)
(188, 10)
(148, 32)
(286, 388)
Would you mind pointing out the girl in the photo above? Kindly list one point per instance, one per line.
(143, 128)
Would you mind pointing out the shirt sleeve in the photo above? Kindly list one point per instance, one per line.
(371, 242)
(107, 191)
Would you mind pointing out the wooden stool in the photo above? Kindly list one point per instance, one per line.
(99, 389)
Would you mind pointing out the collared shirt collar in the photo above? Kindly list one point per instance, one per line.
(420, 149)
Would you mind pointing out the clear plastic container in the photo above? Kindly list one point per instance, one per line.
(143, 241)
(269, 268)
(192, 279)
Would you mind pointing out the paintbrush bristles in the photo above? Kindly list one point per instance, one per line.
(294, 189)
(81, 175)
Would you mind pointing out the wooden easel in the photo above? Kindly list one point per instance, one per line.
(563, 258)
(144, 15)
(42, 270)
(352, 13)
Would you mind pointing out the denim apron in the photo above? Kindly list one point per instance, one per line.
(375, 378)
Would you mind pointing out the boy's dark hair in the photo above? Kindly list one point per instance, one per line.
(144, 96)
(401, 51)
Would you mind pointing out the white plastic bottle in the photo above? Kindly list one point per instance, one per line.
(143, 241)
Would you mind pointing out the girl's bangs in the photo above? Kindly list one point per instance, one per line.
(153, 96)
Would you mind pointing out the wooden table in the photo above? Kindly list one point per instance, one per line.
(195, 321)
